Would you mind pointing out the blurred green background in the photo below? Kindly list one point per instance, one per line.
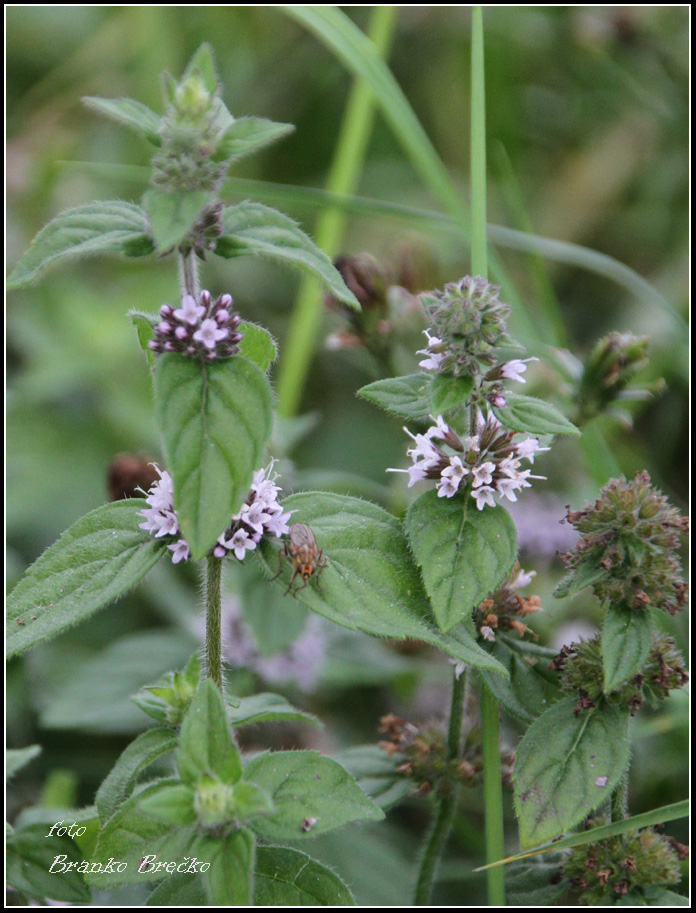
(587, 114)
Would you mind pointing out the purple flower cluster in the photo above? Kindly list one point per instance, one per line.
(161, 518)
(260, 515)
(488, 461)
(204, 329)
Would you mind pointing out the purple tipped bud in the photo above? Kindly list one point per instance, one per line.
(181, 333)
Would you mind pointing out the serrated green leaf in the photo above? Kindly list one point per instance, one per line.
(251, 228)
(267, 708)
(627, 637)
(531, 688)
(247, 135)
(257, 345)
(306, 787)
(448, 392)
(289, 878)
(118, 785)
(205, 744)
(95, 228)
(97, 560)
(129, 113)
(370, 582)
(580, 577)
(215, 420)
(407, 396)
(527, 413)
(228, 880)
(567, 766)
(173, 214)
(17, 758)
(464, 553)
(130, 835)
(30, 856)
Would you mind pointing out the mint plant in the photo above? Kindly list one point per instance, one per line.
(215, 830)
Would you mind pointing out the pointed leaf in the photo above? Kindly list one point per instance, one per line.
(128, 113)
(203, 61)
(627, 637)
(267, 708)
(173, 214)
(17, 758)
(171, 803)
(228, 880)
(407, 396)
(95, 228)
(464, 553)
(289, 878)
(526, 413)
(97, 560)
(205, 744)
(251, 228)
(306, 787)
(370, 581)
(130, 835)
(118, 785)
(247, 135)
(215, 420)
(567, 766)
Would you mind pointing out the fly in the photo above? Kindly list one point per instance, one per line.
(304, 556)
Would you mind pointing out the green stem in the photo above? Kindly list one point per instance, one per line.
(213, 640)
(446, 805)
(479, 244)
(619, 799)
(492, 797)
(188, 274)
(343, 179)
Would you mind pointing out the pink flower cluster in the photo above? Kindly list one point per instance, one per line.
(200, 329)
(488, 462)
(260, 515)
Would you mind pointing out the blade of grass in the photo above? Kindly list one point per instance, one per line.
(358, 55)
(343, 178)
(547, 309)
(646, 819)
(315, 198)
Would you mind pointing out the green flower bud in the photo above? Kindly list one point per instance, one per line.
(611, 364)
(470, 323)
(627, 551)
(605, 871)
(212, 805)
(581, 672)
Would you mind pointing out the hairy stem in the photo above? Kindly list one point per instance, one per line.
(446, 805)
(188, 274)
(213, 639)
(492, 797)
